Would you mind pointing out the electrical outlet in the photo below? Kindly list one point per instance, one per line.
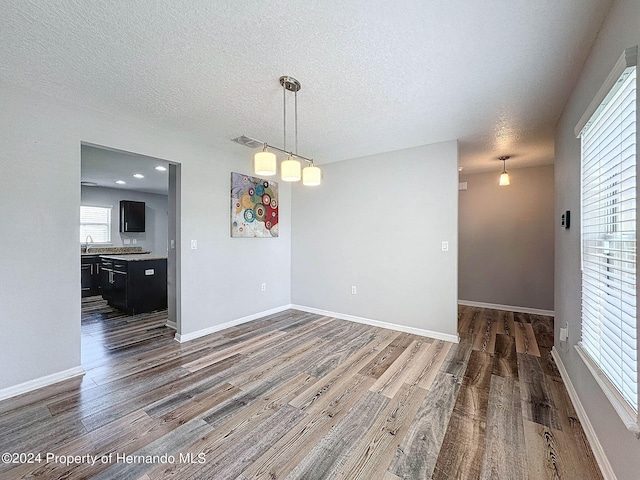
(126, 241)
(263, 287)
(172, 244)
(194, 244)
(353, 290)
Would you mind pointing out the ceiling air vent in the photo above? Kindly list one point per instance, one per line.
(248, 142)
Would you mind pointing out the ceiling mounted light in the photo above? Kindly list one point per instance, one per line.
(264, 162)
(504, 176)
(311, 176)
(138, 175)
(120, 182)
(160, 168)
(290, 170)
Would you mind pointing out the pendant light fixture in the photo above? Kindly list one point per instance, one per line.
(311, 176)
(290, 170)
(504, 176)
(264, 162)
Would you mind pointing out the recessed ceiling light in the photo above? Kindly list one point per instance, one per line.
(160, 168)
(120, 182)
(138, 175)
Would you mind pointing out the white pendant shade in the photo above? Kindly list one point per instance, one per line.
(264, 163)
(290, 170)
(504, 176)
(311, 176)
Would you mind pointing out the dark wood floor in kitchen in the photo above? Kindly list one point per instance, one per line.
(301, 396)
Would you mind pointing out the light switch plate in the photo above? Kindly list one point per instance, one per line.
(564, 334)
(194, 244)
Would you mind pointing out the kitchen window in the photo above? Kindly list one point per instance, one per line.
(95, 222)
(609, 342)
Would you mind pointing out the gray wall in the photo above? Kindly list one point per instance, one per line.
(40, 140)
(377, 223)
(395, 251)
(620, 30)
(154, 238)
(506, 247)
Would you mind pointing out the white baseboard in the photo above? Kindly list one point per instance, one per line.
(598, 451)
(173, 325)
(508, 308)
(37, 383)
(377, 323)
(239, 321)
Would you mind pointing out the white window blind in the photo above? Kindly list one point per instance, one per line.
(95, 221)
(609, 327)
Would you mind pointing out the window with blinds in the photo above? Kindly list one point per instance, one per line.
(608, 234)
(95, 221)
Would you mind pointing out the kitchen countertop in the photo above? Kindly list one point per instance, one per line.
(110, 250)
(135, 257)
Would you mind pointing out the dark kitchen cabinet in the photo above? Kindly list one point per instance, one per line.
(90, 275)
(106, 273)
(132, 216)
(135, 286)
(119, 286)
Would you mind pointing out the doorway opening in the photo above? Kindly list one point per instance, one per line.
(111, 181)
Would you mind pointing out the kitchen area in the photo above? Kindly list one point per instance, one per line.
(128, 278)
(124, 229)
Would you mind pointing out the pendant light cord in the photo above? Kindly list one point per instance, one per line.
(284, 114)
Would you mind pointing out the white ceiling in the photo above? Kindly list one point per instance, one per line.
(376, 75)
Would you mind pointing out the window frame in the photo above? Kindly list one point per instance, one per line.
(109, 224)
(629, 416)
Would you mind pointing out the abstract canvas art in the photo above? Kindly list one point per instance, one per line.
(254, 206)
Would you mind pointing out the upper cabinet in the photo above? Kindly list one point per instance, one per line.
(131, 216)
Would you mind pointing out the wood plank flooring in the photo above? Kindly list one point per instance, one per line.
(300, 396)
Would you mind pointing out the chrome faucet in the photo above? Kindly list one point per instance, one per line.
(86, 245)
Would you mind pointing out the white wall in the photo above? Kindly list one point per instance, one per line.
(39, 205)
(506, 239)
(377, 223)
(620, 30)
(154, 238)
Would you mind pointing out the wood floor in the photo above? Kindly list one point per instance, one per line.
(301, 396)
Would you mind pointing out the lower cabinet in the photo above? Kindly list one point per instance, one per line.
(106, 271)
(136, 286)
(90, 280)
(119, 287)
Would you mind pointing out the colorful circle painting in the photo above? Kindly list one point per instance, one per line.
(254, 207)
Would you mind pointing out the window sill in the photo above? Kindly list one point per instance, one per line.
(622, 408)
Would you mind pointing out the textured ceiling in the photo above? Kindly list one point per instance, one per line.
(376, 76)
